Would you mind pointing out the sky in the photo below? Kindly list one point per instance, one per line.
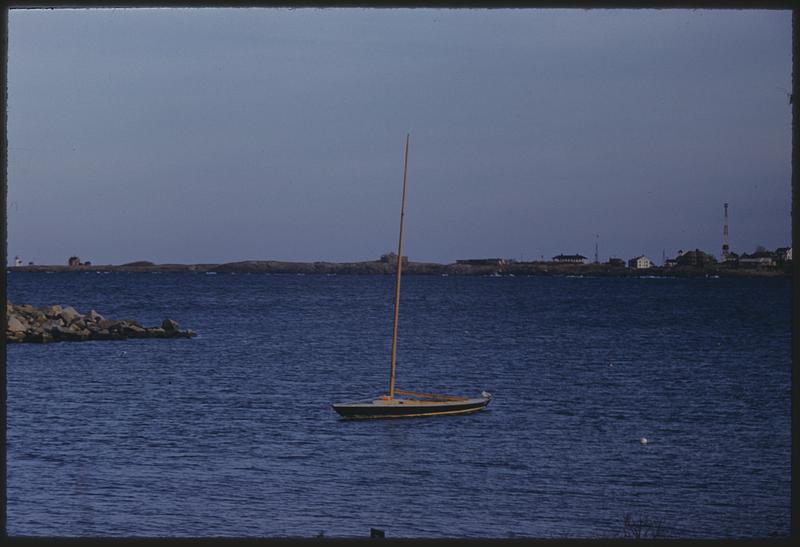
(219, 135)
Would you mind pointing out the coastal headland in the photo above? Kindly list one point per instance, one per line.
(382, 267)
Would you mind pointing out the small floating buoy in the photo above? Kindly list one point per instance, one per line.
(123, 353)
(643, 440)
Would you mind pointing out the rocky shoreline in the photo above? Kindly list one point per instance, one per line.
(377, 267)
(27, 323)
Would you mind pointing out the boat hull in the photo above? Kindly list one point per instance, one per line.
(405, 408)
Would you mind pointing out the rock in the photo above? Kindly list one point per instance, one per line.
(61, 332)
(131, 322)
(93, 316)
(38, 337)
(108, 324)
(69, 314)
(70, 333)
(55, 323)
(169, 325)
(49, 325)
(134, 331)
(15, 336)
(79, 323)
(15, 325)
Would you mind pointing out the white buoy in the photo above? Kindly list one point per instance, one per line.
(643, 440)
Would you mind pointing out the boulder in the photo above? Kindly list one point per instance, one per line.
(69, 314)
(79, 322)
(107, 324)
(15, 325)
(131, 323)
(61, 332)
(49, 325)
(169, 325)
(93, 316)
(16, 328)
(38, 337)
(134, 331)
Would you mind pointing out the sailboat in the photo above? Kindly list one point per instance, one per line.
(400, 403)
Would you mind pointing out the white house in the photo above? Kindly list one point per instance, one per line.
(640, 263)
(574, 259)
(17, 261)
(784, 254)
(759, 258)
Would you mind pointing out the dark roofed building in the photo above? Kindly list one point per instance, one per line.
(731, 258)
(696, 258)
(616, 262)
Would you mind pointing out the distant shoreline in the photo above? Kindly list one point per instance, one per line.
(423, 268)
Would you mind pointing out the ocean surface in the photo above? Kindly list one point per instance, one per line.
(232, 433)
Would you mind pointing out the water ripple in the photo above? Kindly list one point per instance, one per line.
(231, 434)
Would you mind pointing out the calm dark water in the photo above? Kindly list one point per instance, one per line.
(232, 434)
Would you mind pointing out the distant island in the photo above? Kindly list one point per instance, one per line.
(690, 264)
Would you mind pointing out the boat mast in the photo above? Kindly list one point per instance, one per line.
(399, 268)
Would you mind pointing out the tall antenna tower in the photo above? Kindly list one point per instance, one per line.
(725, 246)
(596, 258)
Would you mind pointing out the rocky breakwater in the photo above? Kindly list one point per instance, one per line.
(56, 324)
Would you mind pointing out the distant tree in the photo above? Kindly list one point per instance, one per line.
(760, 248)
